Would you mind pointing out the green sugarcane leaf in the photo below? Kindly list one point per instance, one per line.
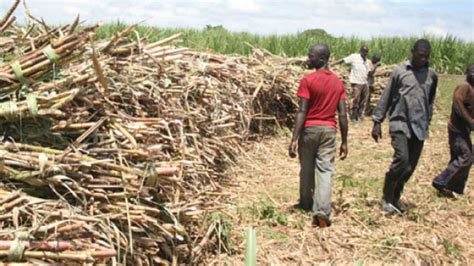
(32, 103)
(251, 248)
(9, 110)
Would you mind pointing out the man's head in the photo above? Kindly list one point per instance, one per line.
(375, 58)
(364, 51)
(420, 53)
(318, 56)
(470, 74)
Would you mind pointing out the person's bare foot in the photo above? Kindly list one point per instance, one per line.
(321, 220)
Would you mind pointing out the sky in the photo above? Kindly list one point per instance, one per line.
(359, 18)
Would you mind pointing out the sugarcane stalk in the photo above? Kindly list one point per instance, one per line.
(69, 228)
(12, 204)
(9, 12)
(116, 38)
(84, 256)
(39, 245)
(5, 26)
(164, 41)
(10, 197)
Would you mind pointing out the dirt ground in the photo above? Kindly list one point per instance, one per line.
(434, 230)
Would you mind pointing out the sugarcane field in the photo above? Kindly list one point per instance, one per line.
(123, 143)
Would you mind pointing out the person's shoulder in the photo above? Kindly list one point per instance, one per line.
(335, 78)
(432, 72)
(399, 69)
(310, 76)
(331, 74)
(463, 87)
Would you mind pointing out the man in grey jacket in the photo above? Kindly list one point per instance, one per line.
(408, 100)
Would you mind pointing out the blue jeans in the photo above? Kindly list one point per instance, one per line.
(317, 148)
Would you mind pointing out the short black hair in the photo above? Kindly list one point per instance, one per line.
(376, 57)
(422, 43)
(468, 67)
(322, 49)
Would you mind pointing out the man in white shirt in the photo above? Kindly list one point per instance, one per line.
(358, 79)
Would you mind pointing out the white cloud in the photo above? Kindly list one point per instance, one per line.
(438, 28)
(209, 1)
(408, 1)
(74, 11)
(365, 8)
(244, 5)
(82, 2)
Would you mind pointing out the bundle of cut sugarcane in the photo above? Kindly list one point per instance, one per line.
(34, 220)
(34, 65)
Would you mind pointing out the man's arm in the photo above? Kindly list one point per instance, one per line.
(376, 66)
(382, 106)
(374, 69)
(299, 123)
(459, 108)
(340, 61)
(344, 126)
(432, 96)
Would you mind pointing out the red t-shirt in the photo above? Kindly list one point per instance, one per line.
(324, 90)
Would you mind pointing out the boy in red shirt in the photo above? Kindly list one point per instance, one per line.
(321, 94)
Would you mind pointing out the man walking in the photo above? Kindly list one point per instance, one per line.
(408, 98)
(358, 79)
(321, 93)
(460, 126)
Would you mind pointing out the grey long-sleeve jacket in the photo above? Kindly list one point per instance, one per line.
(408, 99)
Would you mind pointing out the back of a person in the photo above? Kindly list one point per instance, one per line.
(326, 90)
(370, 76)
(463, 94)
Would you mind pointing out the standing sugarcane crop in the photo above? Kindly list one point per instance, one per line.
(408, 99)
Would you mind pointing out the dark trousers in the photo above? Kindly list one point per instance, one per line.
(405, 159)
(454, 177)
(360, 93)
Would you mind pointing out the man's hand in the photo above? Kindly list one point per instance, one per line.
(292, 149)
(343, 151)
(377, 132)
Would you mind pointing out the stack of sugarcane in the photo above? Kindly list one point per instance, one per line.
(118, 147)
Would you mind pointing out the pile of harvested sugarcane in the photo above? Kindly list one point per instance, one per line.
(113, 150)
